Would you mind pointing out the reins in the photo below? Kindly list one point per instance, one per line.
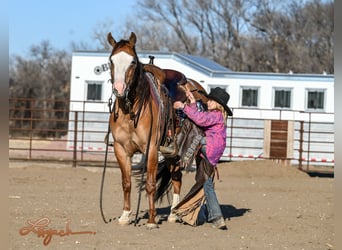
(110, 101)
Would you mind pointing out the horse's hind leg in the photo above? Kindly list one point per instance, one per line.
(152, 164)
(176, 177)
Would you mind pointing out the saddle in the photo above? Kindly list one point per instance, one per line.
(181, 137)
(171, 79)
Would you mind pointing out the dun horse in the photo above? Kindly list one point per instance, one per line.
(141, 119)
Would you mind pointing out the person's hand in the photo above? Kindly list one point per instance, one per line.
(178, 105)
(190, 96)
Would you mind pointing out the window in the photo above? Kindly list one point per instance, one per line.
(214, 86)
(94, 91)
(315, 99)
(282, 98)
(249, 97)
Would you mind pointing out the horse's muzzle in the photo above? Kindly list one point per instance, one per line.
(119, 87)
(116, 93)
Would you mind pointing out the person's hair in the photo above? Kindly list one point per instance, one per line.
(223, 111)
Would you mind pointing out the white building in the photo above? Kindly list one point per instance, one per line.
(261, 96)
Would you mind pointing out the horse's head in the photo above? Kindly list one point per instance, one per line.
(123, 63)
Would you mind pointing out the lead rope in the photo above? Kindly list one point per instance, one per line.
(110, 101)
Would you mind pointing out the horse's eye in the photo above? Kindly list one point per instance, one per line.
(134, 62)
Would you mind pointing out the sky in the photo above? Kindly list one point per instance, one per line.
(61, 22)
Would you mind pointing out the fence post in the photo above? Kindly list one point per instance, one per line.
(74, 159)
(309, 139)
(31, 129)
(301, 131)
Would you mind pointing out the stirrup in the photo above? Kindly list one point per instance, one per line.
(169, 151)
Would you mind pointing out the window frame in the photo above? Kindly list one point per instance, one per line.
(275, 89)
(257, 89)
(87, 85)
(318, 90)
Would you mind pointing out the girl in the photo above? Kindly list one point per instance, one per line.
(213, 123)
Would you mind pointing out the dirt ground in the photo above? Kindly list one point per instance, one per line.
(266, 206)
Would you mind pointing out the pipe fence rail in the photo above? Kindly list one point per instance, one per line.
(74, 132)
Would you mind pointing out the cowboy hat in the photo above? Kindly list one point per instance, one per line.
(220, 96)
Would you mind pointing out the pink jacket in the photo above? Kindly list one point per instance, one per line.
(214, 128)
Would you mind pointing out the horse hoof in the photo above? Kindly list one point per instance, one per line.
(151, 226)
(172, 218)
(124, 222)
(124, 218)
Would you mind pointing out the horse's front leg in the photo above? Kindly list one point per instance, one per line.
(124, 162)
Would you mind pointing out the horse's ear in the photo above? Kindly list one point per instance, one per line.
(132, 39)
(111, 39)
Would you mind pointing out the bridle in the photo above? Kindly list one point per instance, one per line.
(135, 63)
(128, 96)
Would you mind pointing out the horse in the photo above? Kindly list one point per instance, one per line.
(141, 118)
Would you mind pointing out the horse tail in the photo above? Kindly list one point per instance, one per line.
(163, 181)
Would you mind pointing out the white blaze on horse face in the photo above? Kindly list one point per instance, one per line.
(121, 62)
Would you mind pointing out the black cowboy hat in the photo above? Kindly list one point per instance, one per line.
(221, 96)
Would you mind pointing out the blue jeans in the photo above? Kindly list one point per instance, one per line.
(213, 206)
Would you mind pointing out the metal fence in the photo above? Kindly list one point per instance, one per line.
(77, 136)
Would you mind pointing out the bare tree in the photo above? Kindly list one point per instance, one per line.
(43, 78)
(170, 13)
(153, 36)
(299, 35)
(210, 28)
(99, 34)
(231, 28)
(317, 34)
(268, 22)
(243, 35)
